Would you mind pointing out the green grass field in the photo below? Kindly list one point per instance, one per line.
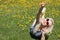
(16, 17)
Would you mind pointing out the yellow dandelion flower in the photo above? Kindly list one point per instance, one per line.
(0, 0)
(29, 5)
(14, 16)
(23, 28)
(27, 22)
(57, 14)
(33, 17)
(21, 25)
(18, 16)
(59, 21)
(58, 35)
(1, 9)
(8, 10)
(22, 17)
(13, 5)
(22, 1)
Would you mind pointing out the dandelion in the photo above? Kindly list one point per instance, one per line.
(23, 28)
(8, 10)
(13, 4)
(27, 22)
(22, 17)
(0, 0)
(58, 35)
(1, 9)
(33, 17)
(22, 1)
(14, 15)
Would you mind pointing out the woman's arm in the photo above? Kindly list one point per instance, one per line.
(43, 36)
(41, 11)
(34, 23)
(38, 15)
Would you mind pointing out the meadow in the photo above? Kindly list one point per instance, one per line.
(17, 16)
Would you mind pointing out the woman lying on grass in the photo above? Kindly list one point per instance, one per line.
(42, 26)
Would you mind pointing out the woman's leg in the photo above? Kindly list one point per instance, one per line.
(36, 35)
(46, 37)
(37, 39)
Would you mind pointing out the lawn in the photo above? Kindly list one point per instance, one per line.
(17, 16)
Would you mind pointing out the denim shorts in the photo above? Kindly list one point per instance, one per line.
(36, 35)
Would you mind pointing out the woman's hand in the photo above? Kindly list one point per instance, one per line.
(43, 33)
(42, 4)
(44, 30)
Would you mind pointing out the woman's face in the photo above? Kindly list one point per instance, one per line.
(44, 22)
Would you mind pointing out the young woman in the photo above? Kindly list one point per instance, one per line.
(42, 26)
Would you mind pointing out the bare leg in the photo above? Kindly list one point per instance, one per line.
(43, 37)
(37, 39)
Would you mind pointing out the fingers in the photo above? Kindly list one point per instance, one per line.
(43, 30)
(42, 4)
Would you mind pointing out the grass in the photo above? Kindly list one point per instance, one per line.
(16, 17)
